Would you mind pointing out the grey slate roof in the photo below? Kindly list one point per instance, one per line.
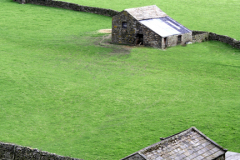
(188, 144)
(147, 12)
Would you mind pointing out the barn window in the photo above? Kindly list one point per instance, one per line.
(124, 24)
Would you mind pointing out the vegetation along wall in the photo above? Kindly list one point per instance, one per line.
(14, 152)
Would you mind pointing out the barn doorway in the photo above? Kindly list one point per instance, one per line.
(179, 39)
(139, 39)
(165, 43)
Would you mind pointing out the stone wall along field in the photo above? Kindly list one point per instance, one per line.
(15, 152)
(225, 39)
(199, 36)
(71, 6)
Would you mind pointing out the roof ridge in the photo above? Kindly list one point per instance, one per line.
(141, 7)
(174, 138)
(146, 12)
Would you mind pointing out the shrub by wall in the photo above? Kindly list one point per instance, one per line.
(15, 152)
(71, 6)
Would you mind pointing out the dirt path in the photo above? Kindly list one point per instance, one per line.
(105, 31)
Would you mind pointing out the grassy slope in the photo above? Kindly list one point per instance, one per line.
(62, 94)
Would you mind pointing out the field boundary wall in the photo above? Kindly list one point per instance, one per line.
(10, 151)
(71, 6)
(201, 36)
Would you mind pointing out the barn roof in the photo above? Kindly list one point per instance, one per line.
(188, 144)
(147, 12)
(165, 26)
(158, 21)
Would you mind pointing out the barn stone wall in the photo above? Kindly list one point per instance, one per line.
(187, 37)
(122, 35)
(150, 38)
(173, 40)
(15, 152)
(222, 157)
(128, 35)
(71, 6)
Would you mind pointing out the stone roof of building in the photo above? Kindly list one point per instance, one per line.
(147, 12)
(188, 144)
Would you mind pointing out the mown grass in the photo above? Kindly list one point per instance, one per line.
(62, 93)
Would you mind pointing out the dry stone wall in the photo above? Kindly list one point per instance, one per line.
(225, 39)
(71, 6)
(15, 152)
(199, 36)
(150, 38)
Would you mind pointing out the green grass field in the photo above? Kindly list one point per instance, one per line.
(61, 92)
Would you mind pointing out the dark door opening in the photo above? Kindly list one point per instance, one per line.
(165, 43)
(139, 39)
(179, 39)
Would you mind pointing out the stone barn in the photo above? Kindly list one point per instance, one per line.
(148, 26)
(188, 144)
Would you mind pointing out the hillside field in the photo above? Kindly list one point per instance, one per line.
(62, 92)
